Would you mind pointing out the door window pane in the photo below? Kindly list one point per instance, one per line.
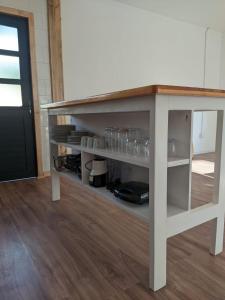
(9, 67)
(9, 38)
(10, 95)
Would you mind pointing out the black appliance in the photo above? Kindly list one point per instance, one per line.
(73, 162)
(70, 162)
(133, 191)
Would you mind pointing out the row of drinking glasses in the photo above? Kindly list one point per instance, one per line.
(94, 142)
(128, 141)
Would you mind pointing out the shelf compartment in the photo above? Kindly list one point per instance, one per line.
(177, 161)
(173, 210)
(179, 129)
(178, 193)
(116, 156)
(172, 161)
(141, 211)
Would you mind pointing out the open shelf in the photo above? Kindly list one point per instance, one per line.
(177, 161)
(172, 161)
(178, 189)
(104, 153)
(141, 211)
(75, 147)
(173, 210)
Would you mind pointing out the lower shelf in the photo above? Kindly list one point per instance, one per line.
(173, 210)
(141, 211)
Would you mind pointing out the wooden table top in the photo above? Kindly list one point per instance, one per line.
(141, 91)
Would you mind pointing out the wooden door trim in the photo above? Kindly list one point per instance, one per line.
(55, 53)
(55, 49)
(37, 122)
(56, 60)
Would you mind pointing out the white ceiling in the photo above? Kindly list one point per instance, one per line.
(207, 13)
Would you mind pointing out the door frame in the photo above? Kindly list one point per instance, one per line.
(56, 59)
(36, 105)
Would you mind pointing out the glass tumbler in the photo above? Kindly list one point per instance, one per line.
(134, 133)
(172, 147)
(84, 140)
(129, 146)
(99, 143)
(90, 141)
(122, 136)
(146, 148)
(138, 147)
(114, 139)
(108, 138)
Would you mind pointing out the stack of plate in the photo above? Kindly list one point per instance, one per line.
(61, 132)
(75, 137)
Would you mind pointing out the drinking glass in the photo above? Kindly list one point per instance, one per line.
(139, 148)
(98, 143)
(122, 135)
(84, 140)
(132, 143)
(114, 139)
(129, 146)
(134, 133)
(172, 147)
(146, 148)
(108, 138)
(90, 142)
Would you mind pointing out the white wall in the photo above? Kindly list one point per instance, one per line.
(222, 69)
(205, 13)
(214, 41)
(110, 46)
(39, 9)
(204, 126)
(204, 132)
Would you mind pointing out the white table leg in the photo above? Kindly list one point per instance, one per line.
(158, 194)
(217, 235)
(55, 178)
(219, 192)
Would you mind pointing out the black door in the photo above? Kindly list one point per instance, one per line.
(17, 142)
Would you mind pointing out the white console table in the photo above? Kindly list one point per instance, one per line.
(168, 113)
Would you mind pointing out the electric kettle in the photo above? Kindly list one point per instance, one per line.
(97, 177)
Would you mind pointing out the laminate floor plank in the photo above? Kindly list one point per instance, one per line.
(84, 248)
(19, 279)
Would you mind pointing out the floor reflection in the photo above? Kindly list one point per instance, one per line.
(202, 179)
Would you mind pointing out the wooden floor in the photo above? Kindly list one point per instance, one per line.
(83, 248)
(202, 179)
